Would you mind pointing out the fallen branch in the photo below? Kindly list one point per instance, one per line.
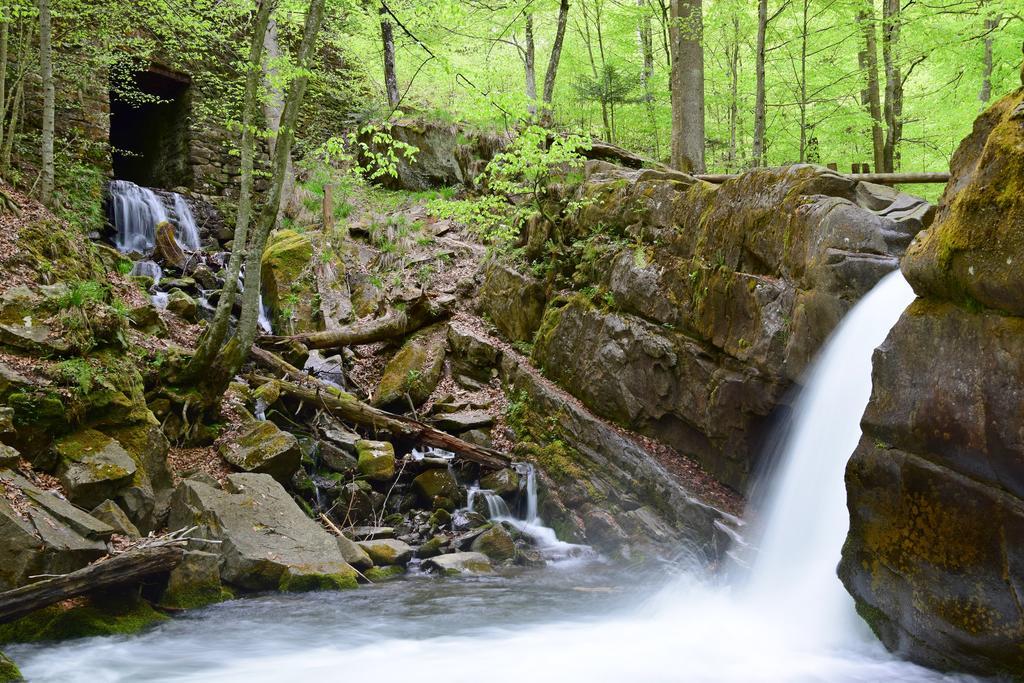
(120, 569)
(8, 205)
(399, 322)
(347, 407)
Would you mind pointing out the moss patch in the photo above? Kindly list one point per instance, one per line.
(92, 617)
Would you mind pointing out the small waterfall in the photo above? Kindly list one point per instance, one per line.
(528, 489)
(159, 300)
(264, 319)
(802, 516)
(187, 233)
(497, 508)
(136, 211)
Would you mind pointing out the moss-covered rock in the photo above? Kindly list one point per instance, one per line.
(9, 672)
(382, 574)
(92, 466)
(289, 288)
(514, 301)
(496, 543)
(302, 579)
(436, 484)
(454, 564)
(433, 547)
(107, 615)
(182, 305)
(263, 448)
(412, 374)
(376, 460)
(387, 551)
(194, 582)
(504, 482)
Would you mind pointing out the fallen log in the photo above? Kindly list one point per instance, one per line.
(399, 322)
(121, 569)
(347, 407)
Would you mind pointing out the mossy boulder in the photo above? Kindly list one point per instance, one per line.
(496, 543)
(504, 482)
(113, 516)
(376, 460)
(433, 547)
(412, 374)
(436, 484)
(382, 574)
(9, 457)
(182, 305)
(289, 287)
(194, 582)
(514, 301)
(387, 551)
(117, 613)
(305, 578)
(92, 466)
(262, 447)
(147, 498)
(9, 672)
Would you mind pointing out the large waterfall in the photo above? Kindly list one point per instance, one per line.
(788, 620)
(136, 211)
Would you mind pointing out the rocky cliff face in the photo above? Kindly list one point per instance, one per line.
(684, 310)
(935, 553)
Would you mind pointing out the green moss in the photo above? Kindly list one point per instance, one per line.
(196, 596)
(9, 670)
(381, 574)
(97, 617)
(300, 582)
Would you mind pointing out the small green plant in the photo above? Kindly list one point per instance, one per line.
(83, 292)
(78, 373)
(125, 266)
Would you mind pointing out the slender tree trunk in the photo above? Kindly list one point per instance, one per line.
(991, 24)
(686, 38)
(803, 81)
(871, 98)
(4, 30)
(757, 154)
(530, 66)
(734, 91)
(387, 36)
(12, 128)
(46, 74)
(598, 76)
(233, 355)
(645, 39)
(213, 337)
(893, 83)
(554, 60)
(273, 108)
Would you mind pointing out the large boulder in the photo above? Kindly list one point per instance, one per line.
(146, 499)
(194, 582)
(266, 541)
(376, 460)
(412, 374)
(454, 564)
(387, 551)
(436, 485)
(496, 543)
(288, 282)
(513, 301)
(935, 553)
(43, 534)
(262, 447)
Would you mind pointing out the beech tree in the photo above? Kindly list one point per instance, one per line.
(687, 35)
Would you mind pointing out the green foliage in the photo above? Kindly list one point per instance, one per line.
(517, 181)
(81, 293)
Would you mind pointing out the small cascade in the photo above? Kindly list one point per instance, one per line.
(187, 233)
(497, 508)
(148, 268)
(160, 300)
(264, 319)
(136, 212)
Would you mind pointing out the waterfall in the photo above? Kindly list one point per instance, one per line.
(187, 234)
(802, 518)
(136, 211)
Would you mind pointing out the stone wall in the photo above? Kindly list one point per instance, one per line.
(935, 552)
(684, 310)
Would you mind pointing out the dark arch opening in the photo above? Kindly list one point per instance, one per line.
(149, 137)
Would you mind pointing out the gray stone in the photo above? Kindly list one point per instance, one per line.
(194, 582)
(460, 422)
(353, 553)
(110, 514)
(514, 302)
(262, 447)
(453, 564)
(412, 374)
(92, 466)
(182, 305)
(473, 355)
(263, 535)
(376, 460)
(504, 482)
(9, 457)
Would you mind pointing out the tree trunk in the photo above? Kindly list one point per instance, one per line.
(734, 92)
(991, 24)
(213, 337)
(272, 109)
(232, 356)
(645, 38)
(530, 65)
(686, 39)
(757, 154)
(46, 74)
(554, 60)
(893, 84)
(4, 30)
(387, 35)
(872, 99)
(15, 98)
(122, 569)
(803, 81)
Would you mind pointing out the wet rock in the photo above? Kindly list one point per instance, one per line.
(353, 553)
(194, 582)
(117, 612)
(167, 249)
(9, 457)
(413, 373)
(496, 543)
(454, 564)
(267, 542)
(433, 547)
(110, 514)
(376, 460)
(514, 302)
(262, 447)
(382, 574)
(288, 286)
(504, 482)
(9, 672)
(473, 355)
(92, 466)
(436, 484)
(182, 305)
(146, 318)
(386, 551)
(205, 278)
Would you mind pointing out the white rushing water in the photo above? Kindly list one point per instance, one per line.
(788, 621)
(137, 211)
